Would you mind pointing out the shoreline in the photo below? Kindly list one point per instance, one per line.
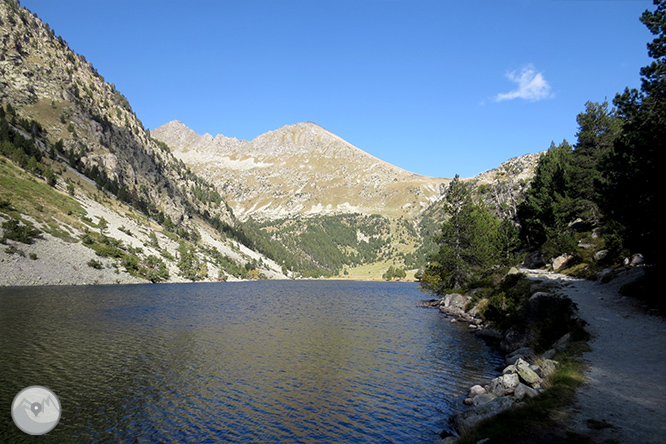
(19, 270)
(626, 339)
(524, 374)
(53, 261)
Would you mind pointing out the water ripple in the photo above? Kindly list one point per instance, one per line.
(262, 362)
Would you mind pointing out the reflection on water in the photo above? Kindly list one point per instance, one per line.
(265, 362)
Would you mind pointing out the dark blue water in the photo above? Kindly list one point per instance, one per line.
(256, 362)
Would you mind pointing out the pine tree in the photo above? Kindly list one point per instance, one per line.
(543, 212)
(633, 190)
(599, 127)
(468, 242)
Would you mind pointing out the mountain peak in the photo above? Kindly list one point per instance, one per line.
(176, 133)
(300, 168)
(298, 128)
(175, 126)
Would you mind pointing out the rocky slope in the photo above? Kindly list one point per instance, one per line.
(299, 169)
(88, 123)
(54, 260)
(502, 187)
(62, 124)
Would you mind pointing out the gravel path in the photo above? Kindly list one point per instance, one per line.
(625, 390)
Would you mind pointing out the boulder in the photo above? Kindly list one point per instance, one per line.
(561, 344)
(548, 354)
(579, 225)
(455, 300)
(504, 385)
(471, 417)
(513, 340)
(600, 255)
(540, 294)
(522, 390)
(509, 369)
(489, 334)
(529, 376)
(522, 352)
(547, 367)
(476, 390)
(636, 260)
(534, 260)
(483, 398)
(561, 261)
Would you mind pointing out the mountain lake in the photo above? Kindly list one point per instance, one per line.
(250, 362)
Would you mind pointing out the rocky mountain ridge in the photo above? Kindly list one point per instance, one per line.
(313, 192)
(299, 169)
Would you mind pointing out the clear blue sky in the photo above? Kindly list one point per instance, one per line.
(435, 87)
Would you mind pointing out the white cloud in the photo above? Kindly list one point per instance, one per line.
(531, 86)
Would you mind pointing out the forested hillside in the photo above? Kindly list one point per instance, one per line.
(591, 205)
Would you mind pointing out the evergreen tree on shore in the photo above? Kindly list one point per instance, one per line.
(470, 241)
(632, 188)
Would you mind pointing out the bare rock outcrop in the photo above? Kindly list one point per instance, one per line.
(299, 169)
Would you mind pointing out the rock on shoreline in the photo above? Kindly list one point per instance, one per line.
(518, 381)
(627, 338)
(525, 374)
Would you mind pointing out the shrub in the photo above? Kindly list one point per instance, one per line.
(558, 245)
(18, 232)
(6, 205)
(394, 273)
(507, 299)
(103, 246)
(191, 267)
(543, 319)
(92, 263)
(153, 269)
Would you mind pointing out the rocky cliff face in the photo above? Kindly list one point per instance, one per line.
(502, 188)
(88, 123)
(83, 132)
(299, 169)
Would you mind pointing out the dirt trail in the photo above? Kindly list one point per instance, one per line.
(626, 378)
